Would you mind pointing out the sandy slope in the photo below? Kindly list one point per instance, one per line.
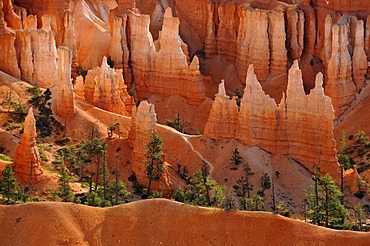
(158, 222)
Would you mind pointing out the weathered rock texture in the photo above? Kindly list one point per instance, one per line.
(69, 38)
(27, 163)
(310, 31)
(104, 87)
(347, 64)
(7, 51)
(143, 125)
(92, 32)
(64, 97)
(223, 116)
(78, 88)
(162, 67)
(300, 126)
(34, 50)
(119, 51)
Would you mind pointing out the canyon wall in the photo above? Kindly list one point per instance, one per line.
(300, 126)
(162, 67)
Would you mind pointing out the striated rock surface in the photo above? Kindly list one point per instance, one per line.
(223, 115)
(64, 97)
(300, 126)
(340, 86)
(295, 33)
(257, 117)
(143, 125)
(92, 32)
(7, 51)
(102, 88)
(44, 55)
(116, 51)
(36, 52)
(27, 163)
(162, 68)
(69, 38)
(11, 17)
(78, 88)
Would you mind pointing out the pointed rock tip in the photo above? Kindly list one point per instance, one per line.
(319, 80)
(168, 12)
(295, 65)
(221, 89)
(251, 76)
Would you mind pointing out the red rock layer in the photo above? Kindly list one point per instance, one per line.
(27, 163)
(300, 126)
(162, 67)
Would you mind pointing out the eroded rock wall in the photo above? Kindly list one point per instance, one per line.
(64, 97)
(103, 88)
(300, 126)
(162, 67)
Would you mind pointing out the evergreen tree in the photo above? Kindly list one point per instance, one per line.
(325, 204)
(201, 192)
(64, 189)
(344, 163)
(236, 159)
(118, 193)
(265, 183)
(243, 186)
(8, 185)
(105, 181)
(153, 155)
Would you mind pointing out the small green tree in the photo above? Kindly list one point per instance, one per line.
(255, 203)
(236, 159)
(154, 158)
(265, 184)
(119, 193)
(179, 123)
(325, 204)
(64, 189)
(201, 190)
(243, 186)
(105, 193)
(8, 185)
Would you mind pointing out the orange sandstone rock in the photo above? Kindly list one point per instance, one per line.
(9, 62)
(144, 126)
(102, 88)
(162, 68)
(27, 163)
(78, 88)
(223, 115)
(64, 97)
(289, 128)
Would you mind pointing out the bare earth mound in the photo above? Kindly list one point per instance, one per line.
(159, 222)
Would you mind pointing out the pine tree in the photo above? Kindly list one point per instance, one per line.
(153, 155)
(243, 186)
(236, 159)
(105, 181)
(325, 204)
(8, 185)
(64, 189)
(201, 191)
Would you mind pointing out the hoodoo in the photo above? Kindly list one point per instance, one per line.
(27, 163)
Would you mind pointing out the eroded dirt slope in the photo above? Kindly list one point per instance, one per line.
(158, 222)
